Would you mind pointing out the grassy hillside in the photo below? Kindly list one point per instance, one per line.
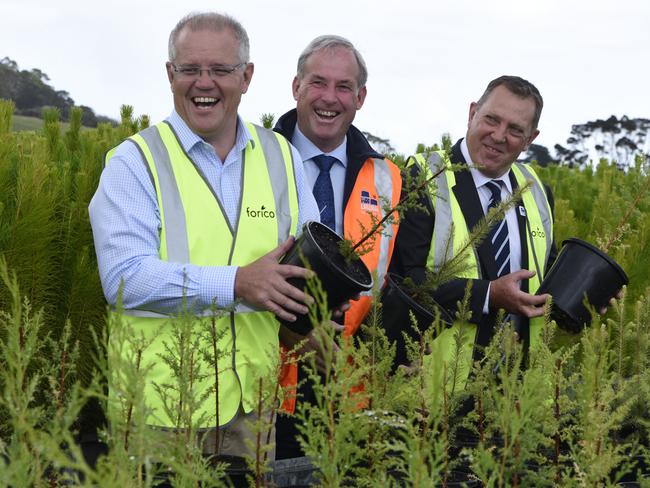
(22, 123)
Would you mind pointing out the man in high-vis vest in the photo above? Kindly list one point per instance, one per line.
(195, 212)
(351, 181)
(505, 271)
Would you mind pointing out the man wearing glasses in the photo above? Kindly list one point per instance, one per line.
(174, 230)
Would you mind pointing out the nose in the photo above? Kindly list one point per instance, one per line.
(499, 133)
(204, 79)
(329, 93)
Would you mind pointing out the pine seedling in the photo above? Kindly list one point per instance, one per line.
(72, 135)
(516, 415)
(331, 430)
(267, 120)
(52, 133)
(22, 374)
(385, 399)
(600, 411)
(215, 358)
(412, 189)
(133, 446)
(6, 116)
(143, 122)
(268, 391)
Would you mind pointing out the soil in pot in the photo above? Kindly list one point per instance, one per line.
(581, 270)
(342, 278)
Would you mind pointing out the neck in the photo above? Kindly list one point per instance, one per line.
(224, 141)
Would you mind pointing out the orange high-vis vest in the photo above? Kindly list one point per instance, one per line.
(377, 188)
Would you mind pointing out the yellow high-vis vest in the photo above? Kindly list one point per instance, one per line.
(195, 230)
(448, 240)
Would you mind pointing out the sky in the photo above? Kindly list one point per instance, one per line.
(427, 60)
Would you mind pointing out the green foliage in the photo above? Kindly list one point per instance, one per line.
(609, 208)
(572, 417)
(267, 120)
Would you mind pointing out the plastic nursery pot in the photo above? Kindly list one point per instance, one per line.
(581, 269)
(397, 304)
(341, 278)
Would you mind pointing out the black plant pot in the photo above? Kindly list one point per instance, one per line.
(341, 278)
(397, 304)
(581, 269)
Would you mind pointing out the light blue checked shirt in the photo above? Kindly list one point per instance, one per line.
(125, 220)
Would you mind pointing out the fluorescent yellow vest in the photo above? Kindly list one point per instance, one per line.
(195, 230)
(448, 240)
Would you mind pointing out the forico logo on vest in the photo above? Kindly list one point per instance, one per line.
(538, 233)
(262, 213)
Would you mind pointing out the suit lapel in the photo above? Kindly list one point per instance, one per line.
(470, 205)
(351, 173)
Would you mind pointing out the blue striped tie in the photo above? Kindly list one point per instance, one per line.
(499, 233)
(323, 190)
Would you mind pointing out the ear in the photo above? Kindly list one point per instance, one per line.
(248, 76)
(361, 96)
(473, 108)
(170, 72)
(531, 139)
(295, 86)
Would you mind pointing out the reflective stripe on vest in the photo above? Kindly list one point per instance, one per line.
(448, 238)
(195, 230)
(378, 186)
(451, 233)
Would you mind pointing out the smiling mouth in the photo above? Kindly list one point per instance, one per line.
(204, 102)
(326, 114)
(492, 150)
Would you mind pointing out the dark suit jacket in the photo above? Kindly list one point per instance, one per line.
(414, 240)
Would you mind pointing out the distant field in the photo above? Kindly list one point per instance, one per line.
(21, 122)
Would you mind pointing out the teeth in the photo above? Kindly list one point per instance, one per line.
(205, 100)
(326, 113)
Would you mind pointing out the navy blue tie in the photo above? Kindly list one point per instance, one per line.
(499, 233)
(324, 192)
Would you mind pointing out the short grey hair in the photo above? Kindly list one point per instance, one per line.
(212, 21)
(330, 42)
(520, 87)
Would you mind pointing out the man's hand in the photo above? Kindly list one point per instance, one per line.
(618, 296)
(505, 294)
(310, 344)
(263, 284)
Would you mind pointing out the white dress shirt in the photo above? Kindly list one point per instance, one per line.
(308, 150)
(485, 195)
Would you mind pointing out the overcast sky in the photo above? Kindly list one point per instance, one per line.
(427, 60)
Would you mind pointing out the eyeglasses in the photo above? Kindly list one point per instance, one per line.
(216, 71)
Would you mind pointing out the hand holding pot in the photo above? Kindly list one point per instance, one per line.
(506, 294)
(263, 284)
(603, 310)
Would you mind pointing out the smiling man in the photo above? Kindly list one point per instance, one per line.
(351, 181)
(506, 269)
(195, 212)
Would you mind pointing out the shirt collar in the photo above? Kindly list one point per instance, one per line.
(189, 139)
(479, 178)
(308, 149)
